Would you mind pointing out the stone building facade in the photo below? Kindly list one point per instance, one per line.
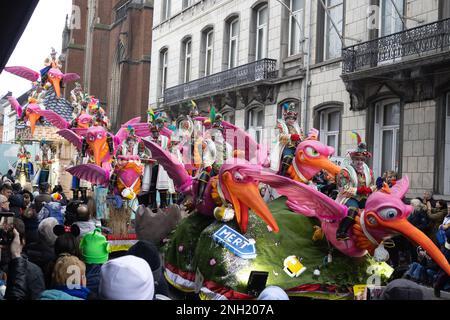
(386, 78)
(109, 46)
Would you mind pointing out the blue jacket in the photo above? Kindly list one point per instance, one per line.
(93, 277)
(57, 295)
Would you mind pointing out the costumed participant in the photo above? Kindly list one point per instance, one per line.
(289, 135)
(78, 100)
(355, 183)
(24, 168)
(155, 177)
(98, 114)
(45, 160)
(215, 152)
(191, 129)
(175, 151)
(51, 62)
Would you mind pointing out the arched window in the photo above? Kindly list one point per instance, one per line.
(163, 68)
(255, 122)
(186, 56)
(231, 42)
(207, 52)
(228, 114)
(327, 119)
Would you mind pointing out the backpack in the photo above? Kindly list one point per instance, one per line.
(54, 211)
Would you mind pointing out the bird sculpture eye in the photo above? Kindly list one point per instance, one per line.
(238, 176)
(389, 213)
(92, 138)
(310, 151)
(99, 136)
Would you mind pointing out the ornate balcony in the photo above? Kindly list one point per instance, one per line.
(406, 62)
(412, 43)
(255, 73)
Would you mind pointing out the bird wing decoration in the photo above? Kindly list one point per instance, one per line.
(72, 137)
(16, 105)
(176, 170)
(54, 118)
(141, 129)
(69, 77)
(254, 152)
(90, 172)
(301, 198)
(166, 132)
(122, 134)
(24, 72)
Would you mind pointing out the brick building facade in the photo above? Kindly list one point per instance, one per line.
(109, 46)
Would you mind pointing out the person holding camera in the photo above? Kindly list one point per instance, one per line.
(25, 280)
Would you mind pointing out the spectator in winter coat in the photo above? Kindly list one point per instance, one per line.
(42, 252)
(126, 278)
(84, 221)
(149, 252)
(95, 252)
(442, 277)
(25, 279)
(64, 285)
(436, 216)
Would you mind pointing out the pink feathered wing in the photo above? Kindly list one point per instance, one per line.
(90, 172)
(301, 198)
(176, 171)
(69, 77)
(72, 137)
(24, 72)
(16, 106)
(54, 118)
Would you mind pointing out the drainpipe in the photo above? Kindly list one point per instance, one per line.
(307, 61)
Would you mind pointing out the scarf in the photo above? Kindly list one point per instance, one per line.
(82, 293)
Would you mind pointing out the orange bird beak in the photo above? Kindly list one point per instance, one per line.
(415, 235)
(244, 196)
(56, 85)
(33, 118)
(97, 148)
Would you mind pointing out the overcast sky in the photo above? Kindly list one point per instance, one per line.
(43, 32)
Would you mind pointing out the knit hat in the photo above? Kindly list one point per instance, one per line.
(126, 278)
(94, 247)
(149, 252)
(45, 230)
(273, 293)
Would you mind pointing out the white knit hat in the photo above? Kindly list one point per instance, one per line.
(126, 278)
(45, 230)
(273, 293)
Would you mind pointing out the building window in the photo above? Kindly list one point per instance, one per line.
(229, 117)
(333, 44)
(295, 33)
(188, 3)
(209, 52)
(261, 32)
(187, 60)
(330, 120)
(163, 58)
(166, 9)
(287, 102)
(255, 123)
(390, 20)
(233, 41)
(386, 137)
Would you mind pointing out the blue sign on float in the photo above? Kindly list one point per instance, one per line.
(235, 242)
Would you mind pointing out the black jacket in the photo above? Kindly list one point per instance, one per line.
(25, 280)
(419, 219)
(43, 256)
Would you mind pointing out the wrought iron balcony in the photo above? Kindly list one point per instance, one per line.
(411, 43)
(249, 74)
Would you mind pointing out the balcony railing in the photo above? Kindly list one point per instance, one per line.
(250, 73)
(422, 40)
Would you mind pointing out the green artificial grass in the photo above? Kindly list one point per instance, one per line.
(194, 235)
